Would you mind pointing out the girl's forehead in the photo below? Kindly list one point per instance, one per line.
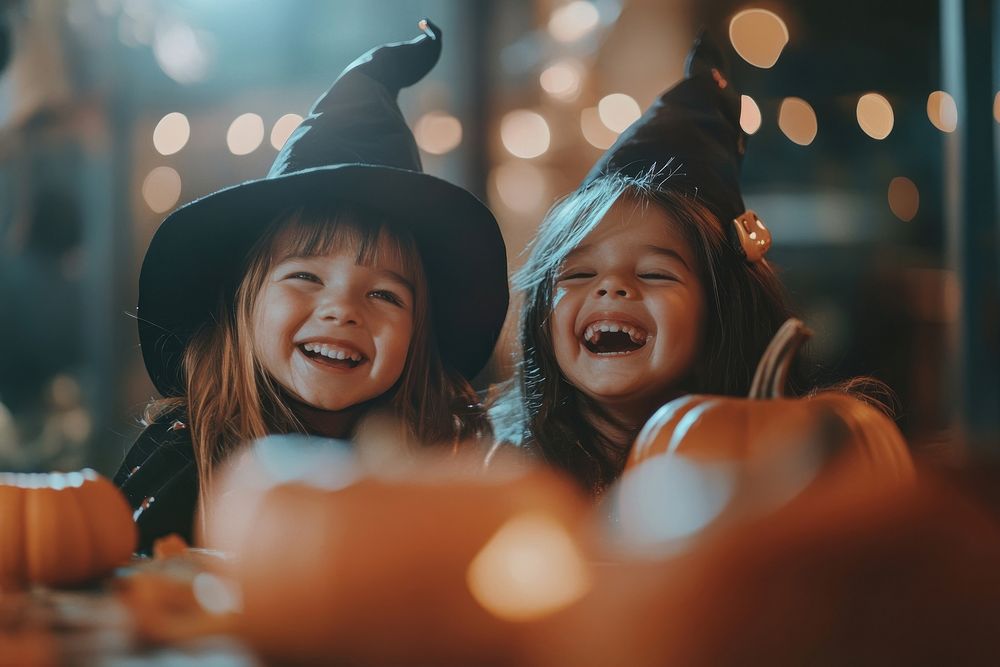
(633, 223)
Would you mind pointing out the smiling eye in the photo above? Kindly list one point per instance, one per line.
(657, 275)
(574, 275)
(386, 295)
(305, 275)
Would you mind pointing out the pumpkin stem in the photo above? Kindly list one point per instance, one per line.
(772, 370)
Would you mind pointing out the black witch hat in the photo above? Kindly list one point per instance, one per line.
(354, 147)
(692, 136)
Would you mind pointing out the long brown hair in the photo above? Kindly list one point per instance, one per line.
(541, 410)
(231, 400)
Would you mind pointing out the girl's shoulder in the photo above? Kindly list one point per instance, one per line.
(160, 480)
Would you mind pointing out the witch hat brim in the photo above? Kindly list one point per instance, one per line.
(197, 255)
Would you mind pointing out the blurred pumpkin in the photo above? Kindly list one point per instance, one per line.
(62, 529)
(440, 566)
(860, 574)
(243, 480)
(843, 428)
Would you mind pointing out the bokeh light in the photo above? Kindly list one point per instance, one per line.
(942, 111)
(996, 107)
(524, 133)
(797, 120)
(904, 198)
(245, 134)
(759, 36)
(179, 52)
(618, 111)
(215, 594)
(530, 568)
(875, 115)
(437, 132)
(595, 131)
(750, 118)
(563, 79)
(573, 20)
(521, 186)
(283, 128)
(669, 498)
(171, 133)
(161, 189)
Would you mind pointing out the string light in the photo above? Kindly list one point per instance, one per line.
(171, 133)
(750, 119)
(797, 120)
(875, 115)
(759, 36)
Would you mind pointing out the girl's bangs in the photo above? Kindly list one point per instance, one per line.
(372, 241)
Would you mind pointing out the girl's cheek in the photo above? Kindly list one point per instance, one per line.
(558, 295)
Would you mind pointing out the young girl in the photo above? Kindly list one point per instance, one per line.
(646, 283)
(347, 280)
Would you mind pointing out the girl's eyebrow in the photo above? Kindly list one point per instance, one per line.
(667, 252)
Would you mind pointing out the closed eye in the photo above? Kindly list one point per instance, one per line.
(656, 275)
(575, 275)
(304, 275)
(389, 296)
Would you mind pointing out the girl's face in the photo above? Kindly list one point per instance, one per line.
(628, 311)
(332, 332)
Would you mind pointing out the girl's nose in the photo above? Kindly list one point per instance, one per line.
(339, 309)
(614, 286)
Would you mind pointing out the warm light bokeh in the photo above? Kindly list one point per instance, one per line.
(562, 79)
(750, 119)
(942, 111)
(245, 134)
(161, 189)
(595, 131)
(797, 120)
(437, 132)
(573, 20)
(530, 568)
(904, 198)
(875, 115)
(521, 186)
(618, 111)
(759, 36)
(171, 133)
(524, 133)
(283, 128)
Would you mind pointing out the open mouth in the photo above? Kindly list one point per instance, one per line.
(335, 356)
(611, 337)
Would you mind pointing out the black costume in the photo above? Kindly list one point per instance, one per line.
(160, 480)
(353, 147)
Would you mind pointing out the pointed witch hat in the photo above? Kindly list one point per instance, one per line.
(692, 136)
(354, 147)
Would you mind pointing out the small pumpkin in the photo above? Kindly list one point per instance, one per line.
(736, 429)
(61, 529)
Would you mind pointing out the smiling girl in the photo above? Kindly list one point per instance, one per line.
(300, 302)
(646, 283)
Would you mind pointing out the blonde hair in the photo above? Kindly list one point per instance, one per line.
(231, 400)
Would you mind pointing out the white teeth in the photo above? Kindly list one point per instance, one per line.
(592, 333)
(329, 353)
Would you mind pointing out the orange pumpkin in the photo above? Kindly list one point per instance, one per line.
(388, 571)
(61, 529)
(734, 429)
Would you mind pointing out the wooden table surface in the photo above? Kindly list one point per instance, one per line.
(146, 613)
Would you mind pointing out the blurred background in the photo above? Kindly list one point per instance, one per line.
(873, 160)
